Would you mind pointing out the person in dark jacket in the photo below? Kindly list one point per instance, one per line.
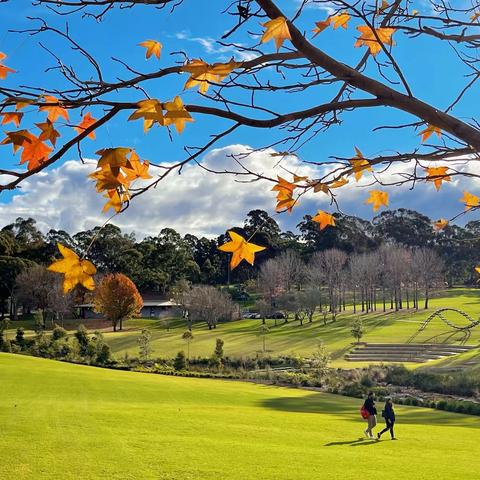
(372, 414)
(389, 415)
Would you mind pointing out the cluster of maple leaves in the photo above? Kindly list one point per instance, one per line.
(118, 167)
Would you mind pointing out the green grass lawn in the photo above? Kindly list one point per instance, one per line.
(241, 337)
(63, 421)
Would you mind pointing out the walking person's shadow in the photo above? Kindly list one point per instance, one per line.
(354, 443)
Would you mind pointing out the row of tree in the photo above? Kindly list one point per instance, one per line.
(157, 263)
(391, 277)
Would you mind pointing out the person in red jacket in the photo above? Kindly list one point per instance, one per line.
(369, 405)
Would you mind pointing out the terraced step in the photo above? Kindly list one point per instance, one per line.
(404, 352)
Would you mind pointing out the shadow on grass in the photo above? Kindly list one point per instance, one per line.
(346, 410)
(353, 443)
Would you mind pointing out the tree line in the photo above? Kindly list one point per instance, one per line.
(157, 263)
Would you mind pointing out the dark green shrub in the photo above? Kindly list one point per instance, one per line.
(58, 333)
(442, 405)
(397, 375)
(20, 337)
(219, 343)
(366, 381)
(83, 341)
(6, 346)
(180, 362)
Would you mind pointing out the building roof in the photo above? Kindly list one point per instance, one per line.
(149, 303)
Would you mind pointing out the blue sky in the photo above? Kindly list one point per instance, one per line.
(429, 65)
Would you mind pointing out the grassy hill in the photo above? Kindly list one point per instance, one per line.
(241, 337)
(75, 422)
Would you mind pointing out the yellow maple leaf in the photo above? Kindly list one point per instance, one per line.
(204, 74)
(475, 16)
(321, 187)
(369, 39)
(299, 178)
(321, 26)
(113, 157)
(324, 219)
(76, 271)
(177, 114)
(470, 200)
(241, 249)
(359, 165)
(341, 20)
(116, 200)
(383, 6)
(106, 179)
(153, 48)
(440, 224)
(339, 183)
(428, 132)
(437, 175)
(377, 199)
(276, 29)
(151, 111)
(477, 269)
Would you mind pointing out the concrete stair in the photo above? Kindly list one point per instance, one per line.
(404, 352)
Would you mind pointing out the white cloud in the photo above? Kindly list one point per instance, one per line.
(212, 47)
(202, 203)
(195, 202)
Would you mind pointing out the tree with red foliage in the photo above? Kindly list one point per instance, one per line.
(118, 299)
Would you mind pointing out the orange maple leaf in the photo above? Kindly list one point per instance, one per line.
(48, 132)
(153, 48)
(285, 198)
(241, 249)
(12, 117)
(17, 139)
(35, 152)
(276, 29)
(4, 70)
(437, 175)
(369, 39)
(135, 169)
(470, 200)
(321, 26)
(428, 132)
(54, 110)
(87, 121)
(324, 219)
(377, 199)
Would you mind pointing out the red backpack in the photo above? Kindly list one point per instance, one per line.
(364, 412)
